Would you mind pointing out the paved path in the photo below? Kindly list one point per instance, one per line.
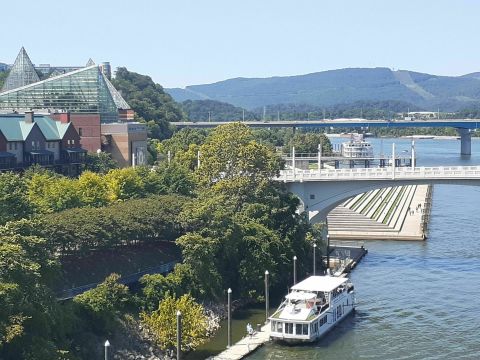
(245, 346)
(400, 218)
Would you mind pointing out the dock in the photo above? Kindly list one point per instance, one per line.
(344, 256)
(246, 345)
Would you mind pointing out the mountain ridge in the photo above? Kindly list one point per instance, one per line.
(338, 86)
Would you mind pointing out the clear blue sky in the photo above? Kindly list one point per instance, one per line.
(184, 42)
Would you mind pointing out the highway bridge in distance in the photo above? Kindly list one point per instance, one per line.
(463, 126)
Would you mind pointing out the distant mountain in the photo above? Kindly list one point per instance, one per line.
(204, 110)
(342, 86)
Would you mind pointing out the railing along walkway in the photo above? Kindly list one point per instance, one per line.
(126, 280)
(387, 173)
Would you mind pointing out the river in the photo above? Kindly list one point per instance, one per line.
(416, 300)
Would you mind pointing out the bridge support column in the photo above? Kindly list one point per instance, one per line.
(465, 141)
(319, 160)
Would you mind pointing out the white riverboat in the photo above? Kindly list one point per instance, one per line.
(357, 147)
(312, 308)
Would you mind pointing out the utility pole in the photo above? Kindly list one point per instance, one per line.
(106, 345)
(314, 260)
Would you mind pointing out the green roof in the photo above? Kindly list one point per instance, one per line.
(14, 127)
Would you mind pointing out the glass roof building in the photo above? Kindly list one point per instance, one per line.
(86, 90)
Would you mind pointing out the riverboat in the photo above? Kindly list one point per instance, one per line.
(312, 308)
(357, 147)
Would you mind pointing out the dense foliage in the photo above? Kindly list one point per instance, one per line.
(149, 101)
(211, 110)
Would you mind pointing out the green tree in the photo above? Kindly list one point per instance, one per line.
(151, 103)
(162, 322)
(100, 163)
(92, 189)
(124, 184)
(308, 143)
(14, 202)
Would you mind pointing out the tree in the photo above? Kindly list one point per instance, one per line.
(14, 202)
(230, 159)
(92, 189)
(124, 184)
(100, 163)
(308, 143)
(162, 322)
(150, 102)
(29, 313)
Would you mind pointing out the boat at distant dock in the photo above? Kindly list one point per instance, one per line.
(312, 308)
(357, 147)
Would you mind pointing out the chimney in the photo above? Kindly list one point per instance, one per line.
(29, 117)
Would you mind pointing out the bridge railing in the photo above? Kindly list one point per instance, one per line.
(387, 173)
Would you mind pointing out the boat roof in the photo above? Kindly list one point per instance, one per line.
(300, 295)
(320, 283)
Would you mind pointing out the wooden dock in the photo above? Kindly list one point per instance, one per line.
(245, 346)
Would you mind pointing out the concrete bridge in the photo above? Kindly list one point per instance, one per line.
(463, 126)
(320, 191)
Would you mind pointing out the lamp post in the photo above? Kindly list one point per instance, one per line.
(314, 260)
(229, 340)
(106, 345)
(328, 251)
(266, 296)
(179, 334)
(294, 270)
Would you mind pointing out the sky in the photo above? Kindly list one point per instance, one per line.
(186, 42)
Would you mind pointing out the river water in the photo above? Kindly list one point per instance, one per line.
(416, 300)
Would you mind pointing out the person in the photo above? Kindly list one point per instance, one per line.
(249, 329)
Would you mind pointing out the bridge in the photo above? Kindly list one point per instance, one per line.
(463, 126)
(320, 191)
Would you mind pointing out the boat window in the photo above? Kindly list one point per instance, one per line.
(323, 321)
(298, 329)
(288, 328)
(305, 329)
(274, 323)
(279, 327)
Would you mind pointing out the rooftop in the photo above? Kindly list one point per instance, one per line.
(320, 283)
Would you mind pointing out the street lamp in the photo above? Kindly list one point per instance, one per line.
(266, 296)
(106, 345)
(229, 340)
(294, 270)
(179, 334)
(314, 261)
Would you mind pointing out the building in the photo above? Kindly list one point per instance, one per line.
(83, 91)
(30, 139)
(81, 96)
(127, 142)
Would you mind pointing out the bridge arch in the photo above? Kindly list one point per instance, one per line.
(321, 197)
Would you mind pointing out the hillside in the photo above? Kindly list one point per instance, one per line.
(342, 86)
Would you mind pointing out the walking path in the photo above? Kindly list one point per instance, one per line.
(398, 213)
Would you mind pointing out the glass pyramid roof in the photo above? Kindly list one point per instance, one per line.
(22, 72)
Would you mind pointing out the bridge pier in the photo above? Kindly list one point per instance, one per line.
(465, 141)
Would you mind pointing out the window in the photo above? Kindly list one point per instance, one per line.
(38, 144)
(9, 146)
(288, 328)
(305, 329)
(15, 145)
(33, 145)
(274, 323)
(48, 145)
(80, 132)
(298, 329)
(312, 196)
(279, 327)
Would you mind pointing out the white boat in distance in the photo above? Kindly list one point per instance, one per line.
(312, 308)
